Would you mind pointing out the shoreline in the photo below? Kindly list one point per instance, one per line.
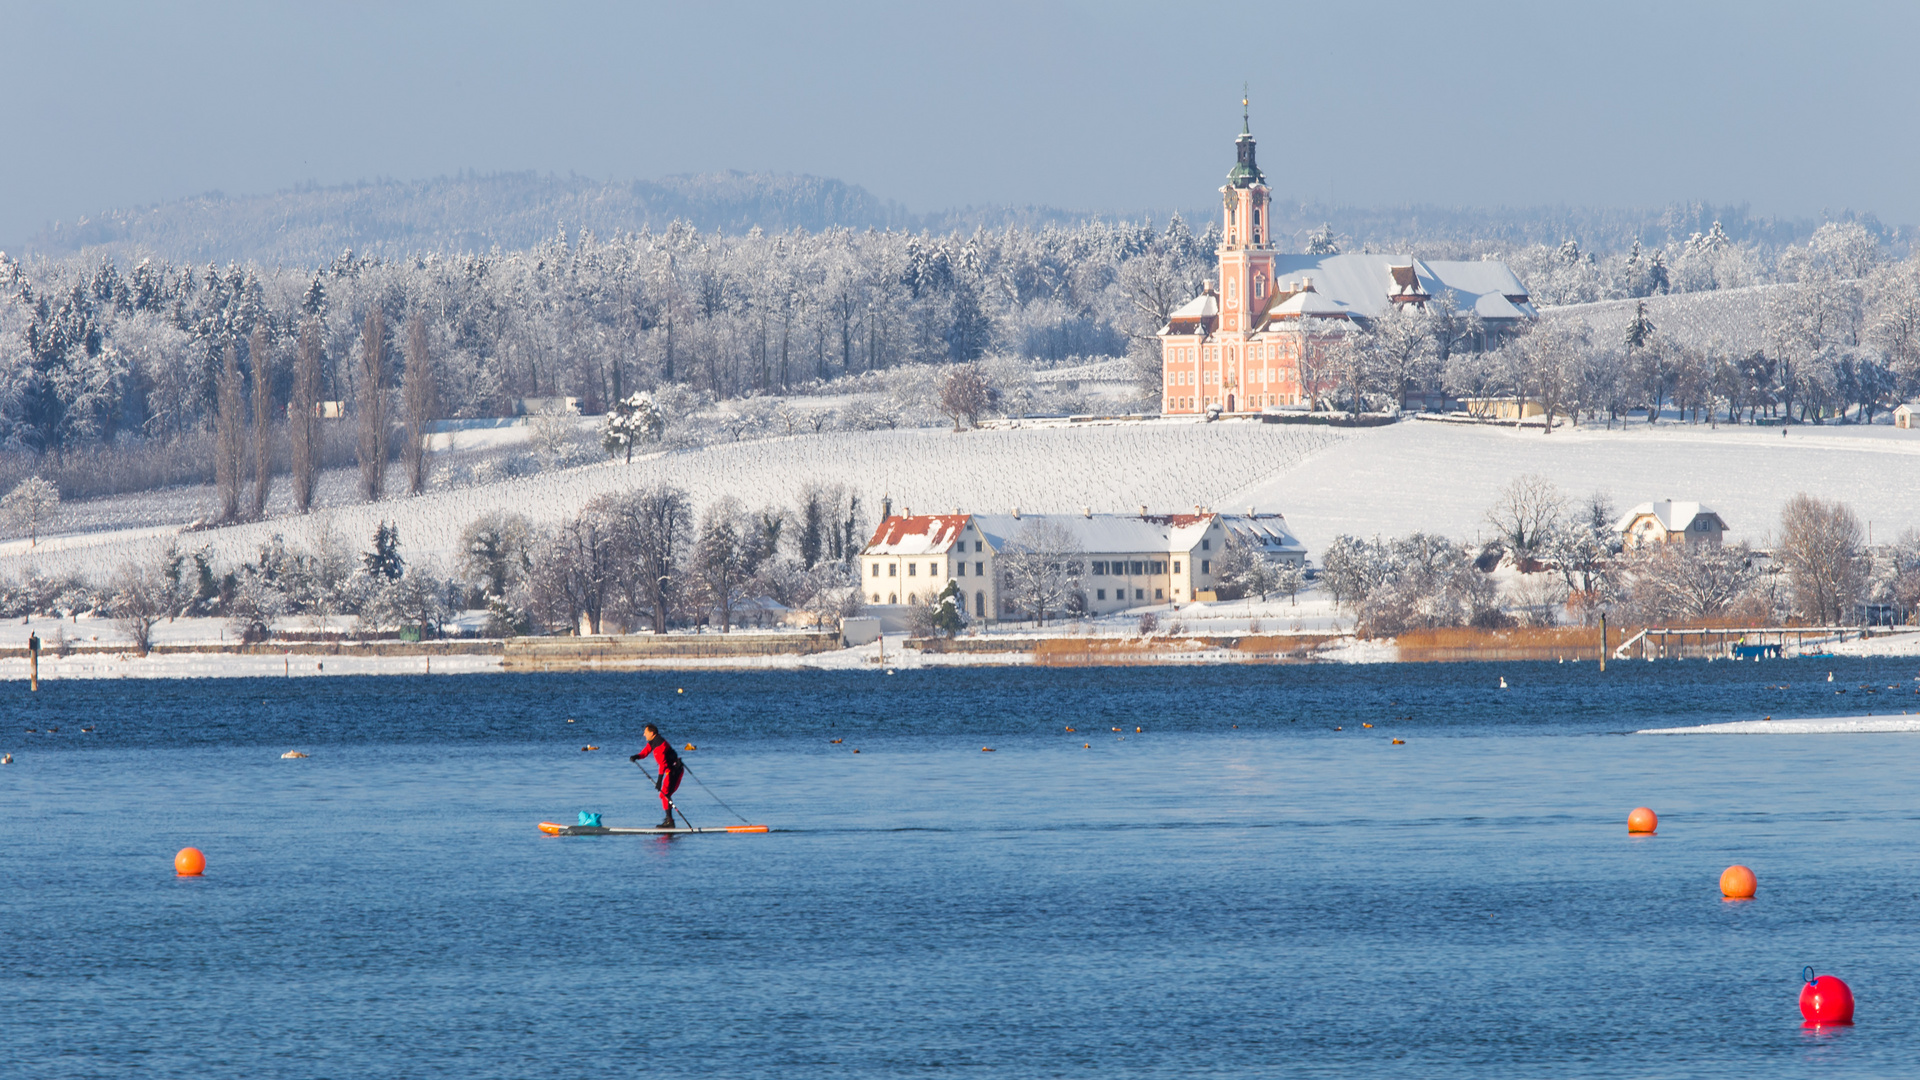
(182, 660)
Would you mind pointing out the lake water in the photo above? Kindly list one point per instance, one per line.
(1191, 900)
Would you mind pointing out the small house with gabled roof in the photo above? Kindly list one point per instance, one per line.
(1670, 522)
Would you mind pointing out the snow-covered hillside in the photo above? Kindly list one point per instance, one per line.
(1410, 476)
(1730, 319)
(1108, 467)
(1441, 477)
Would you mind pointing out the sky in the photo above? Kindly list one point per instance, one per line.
(1796, 109)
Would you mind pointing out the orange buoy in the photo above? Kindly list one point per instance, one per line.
(689, 746)
(190, 862)
(1642, 820)
(1738, 883)
(1399, 742)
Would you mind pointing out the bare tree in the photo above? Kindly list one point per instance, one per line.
(142, 596)
(260, 355)
(302, 424)
(372, 405)
(1041, 568)
(1820, 550)
(31, 506)
(417, 395)
(655, 524)
(965, 395)
(230, 436)
(720, 558)
(1525, 514)
(1690, 581)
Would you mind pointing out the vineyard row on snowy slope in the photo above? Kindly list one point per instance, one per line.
(1166, 467)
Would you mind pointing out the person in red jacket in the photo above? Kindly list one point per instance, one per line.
(668, 764)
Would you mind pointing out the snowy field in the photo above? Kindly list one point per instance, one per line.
(1729, 319)
(1166, 466)
(1392, 480)
(1441, 477)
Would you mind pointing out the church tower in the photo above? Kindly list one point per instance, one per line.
(1246, 248)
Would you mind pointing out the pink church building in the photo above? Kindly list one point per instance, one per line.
(1237, 347)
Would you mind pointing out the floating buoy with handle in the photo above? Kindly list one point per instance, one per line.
(1825, 999)
(1642, 820)
(291, 754)
(1738, 883)
(190, 862)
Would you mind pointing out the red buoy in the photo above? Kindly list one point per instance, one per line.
(1642, 820)
(1825, 999)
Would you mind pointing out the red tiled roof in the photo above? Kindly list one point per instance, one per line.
(934, 530)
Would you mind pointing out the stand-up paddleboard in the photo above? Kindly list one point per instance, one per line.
(554, 828)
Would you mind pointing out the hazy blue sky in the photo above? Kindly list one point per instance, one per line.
(1793, 107)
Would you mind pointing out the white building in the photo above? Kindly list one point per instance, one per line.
(1124, 560)
(1670, 522)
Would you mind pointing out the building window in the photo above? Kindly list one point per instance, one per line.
(1158, 595)
(876, 573)
(1099, 569)
(893, 570)
(1139, 594)
(977, 546)
(876, 598)
(1206, 545)
(912, 598)
(893, 598)
(1137, 567)
(1176, 566)
(933, 569)
(913, 569)
(1206, 566)
(1100, 594)
(962, 567)
(980, 604)
(1159, 568)
(977, 572)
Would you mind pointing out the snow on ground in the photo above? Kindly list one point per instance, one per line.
(232, 665)
(1844, 725)
(1884, 643)
(1389, 480)
(1441, 477)
(1170, 465)
(1729, 319)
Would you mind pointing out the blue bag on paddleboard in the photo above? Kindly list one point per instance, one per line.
(588, 819)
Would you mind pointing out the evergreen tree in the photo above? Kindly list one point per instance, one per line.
(384, 560)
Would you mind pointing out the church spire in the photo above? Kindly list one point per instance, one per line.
(1245, 172)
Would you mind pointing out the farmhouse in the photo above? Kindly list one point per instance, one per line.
(1115, 561)
(1669, 522)
(1237, 347)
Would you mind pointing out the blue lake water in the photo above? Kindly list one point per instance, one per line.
(1191, 900)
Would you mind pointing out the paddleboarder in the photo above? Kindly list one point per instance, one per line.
(667, 761)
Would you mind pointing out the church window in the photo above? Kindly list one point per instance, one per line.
(1233, 289)
(1260, 287)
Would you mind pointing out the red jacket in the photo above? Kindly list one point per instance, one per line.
(664, 756)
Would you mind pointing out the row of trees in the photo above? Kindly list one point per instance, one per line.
(90, 351)
(1572, 566)
(1834, 346)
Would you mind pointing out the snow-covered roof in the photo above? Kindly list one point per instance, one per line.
(1365, 282)
(926, 534)
(1269, 529)
(1310, 303)
(1204, 306)
(1672, 516)
(1093, 534)
(1103, 533)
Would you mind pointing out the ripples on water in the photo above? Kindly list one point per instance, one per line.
(1195, 899)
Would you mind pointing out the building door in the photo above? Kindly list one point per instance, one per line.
(980, 605)
(1229, 402)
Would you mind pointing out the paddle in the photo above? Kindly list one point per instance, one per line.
(663, 794)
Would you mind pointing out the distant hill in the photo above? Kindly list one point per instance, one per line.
(311, 225)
